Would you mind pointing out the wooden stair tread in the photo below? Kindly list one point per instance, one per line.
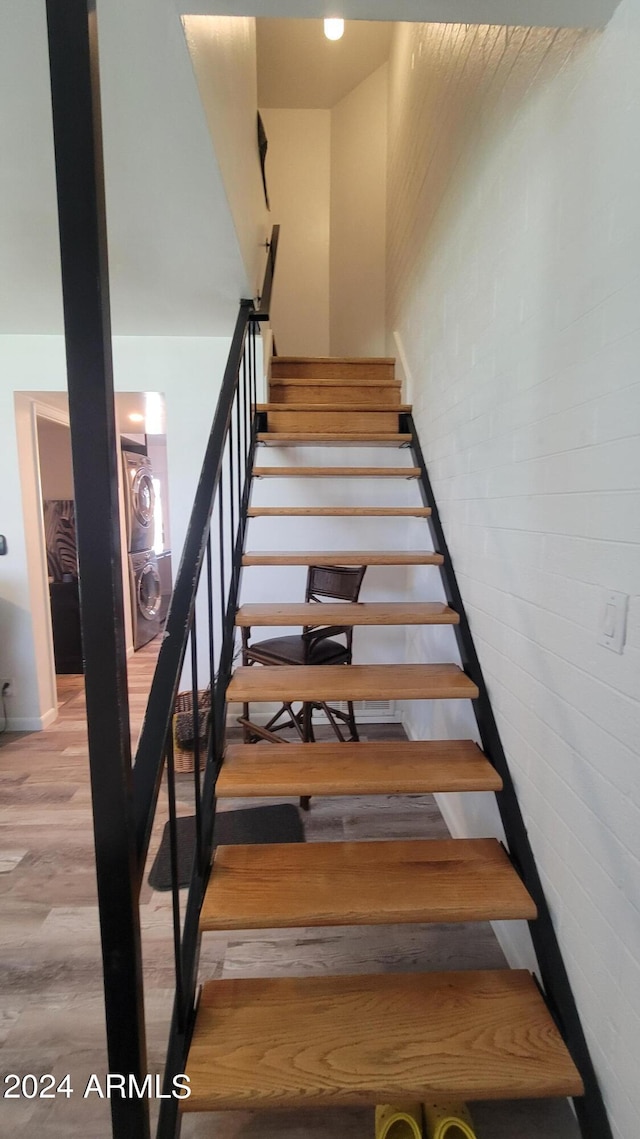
(321, 1041)
(293, 885)
(347, 613)
(342, 558)
(337, 472)
(351, 682)
(339, 511)
(374, 767)
(340, 438)
(399, 409)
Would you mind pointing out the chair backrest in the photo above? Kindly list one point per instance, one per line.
(342, 583)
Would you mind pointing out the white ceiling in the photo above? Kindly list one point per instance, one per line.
(536, 13)
(299, 67)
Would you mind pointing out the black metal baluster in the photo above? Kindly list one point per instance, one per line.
(231, 493)
(238, 465)
(175, 887)
(195, 696)
(212, 664)
(245, 426)
(254, 371)
(221, 548)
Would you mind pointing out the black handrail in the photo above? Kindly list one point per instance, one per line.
(263, 307)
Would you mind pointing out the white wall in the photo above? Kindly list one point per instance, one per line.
(514, 246)
(358, 219)
(223, 53)
(188, 371)
(298, 179)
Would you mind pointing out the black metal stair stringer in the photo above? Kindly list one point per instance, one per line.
(590, 1109)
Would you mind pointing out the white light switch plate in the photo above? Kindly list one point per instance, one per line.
(613, 621)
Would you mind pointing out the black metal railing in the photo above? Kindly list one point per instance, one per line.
(200, 636)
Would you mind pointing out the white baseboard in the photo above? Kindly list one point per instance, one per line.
(408, 388)
(32, 723)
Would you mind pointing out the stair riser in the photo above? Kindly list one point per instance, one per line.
(332, 421)
(331, 370)
(320, 395)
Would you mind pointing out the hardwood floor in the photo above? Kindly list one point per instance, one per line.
(51, 1015)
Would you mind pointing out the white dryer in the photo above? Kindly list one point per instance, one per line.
(140, 501)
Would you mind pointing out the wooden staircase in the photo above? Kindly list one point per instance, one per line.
(335, 1040)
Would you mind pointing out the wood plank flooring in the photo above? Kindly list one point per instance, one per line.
(51, 1010)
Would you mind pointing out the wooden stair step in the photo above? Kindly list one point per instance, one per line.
(342, 558)
(297, 1042)
(333, 438)
(374, 767)
(347, 613)
(326, 393)
(290, 417)
(351, 682)
(337, 472)
(333, 367)
(293, 885)
(339, 511)
(337, 406)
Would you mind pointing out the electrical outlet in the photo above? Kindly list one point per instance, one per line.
(6, 688)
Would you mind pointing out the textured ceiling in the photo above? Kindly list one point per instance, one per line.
(299, 67)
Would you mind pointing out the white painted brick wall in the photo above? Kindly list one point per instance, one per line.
(514, 290)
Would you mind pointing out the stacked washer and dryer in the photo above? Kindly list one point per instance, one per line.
(148, 600)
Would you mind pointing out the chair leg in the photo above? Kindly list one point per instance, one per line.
(308, 737)
(332, 716)
(247, 736)
(307, 723)
(353, 727)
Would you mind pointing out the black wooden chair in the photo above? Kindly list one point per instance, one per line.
(317, 644)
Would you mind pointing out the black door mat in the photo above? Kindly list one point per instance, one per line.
(280, 823)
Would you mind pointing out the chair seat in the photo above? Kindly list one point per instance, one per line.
(293, 650)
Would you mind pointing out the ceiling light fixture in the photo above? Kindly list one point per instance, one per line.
(334, 29)
(135, 417)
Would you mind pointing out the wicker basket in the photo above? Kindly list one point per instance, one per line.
(183, 753)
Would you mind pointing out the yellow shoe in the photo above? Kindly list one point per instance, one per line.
(403, 1122)
(447, 1121)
